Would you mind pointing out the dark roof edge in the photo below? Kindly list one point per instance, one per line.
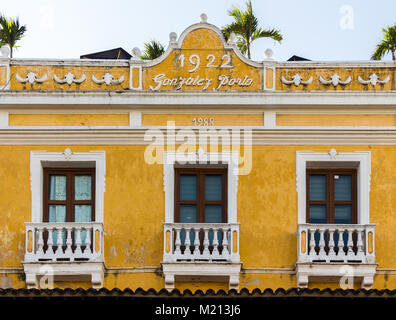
(152, 293)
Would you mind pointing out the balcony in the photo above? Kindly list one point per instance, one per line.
(201, 251)
(68, 251)
(325, 249)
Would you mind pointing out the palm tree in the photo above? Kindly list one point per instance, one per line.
(10, 32)
(388, 44)
(245, 27)
(152, 50)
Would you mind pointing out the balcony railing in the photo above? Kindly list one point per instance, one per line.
(336, 243)
(64, 242)
(201, 242)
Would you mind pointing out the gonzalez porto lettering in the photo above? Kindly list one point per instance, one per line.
(178, 83)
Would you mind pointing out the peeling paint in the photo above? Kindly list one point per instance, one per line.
(253, 282)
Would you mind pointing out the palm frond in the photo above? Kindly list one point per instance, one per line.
(246, 28)
(152, 50)
(272, 33)
(11, 32)
(380, 51)
(242, 45)
(387, 44)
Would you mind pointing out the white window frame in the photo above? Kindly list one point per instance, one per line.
(226, 157)
(363, 161)
(39, 158)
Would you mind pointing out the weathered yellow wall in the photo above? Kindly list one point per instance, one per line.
(187, 119)
(267, 212)
(3, 76)
(68, 119)
(335, 120)
(326, 73)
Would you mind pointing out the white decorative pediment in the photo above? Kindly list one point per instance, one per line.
(335, 80)
(69, 78)
(175, 43)
(296, 80)
(31, 77)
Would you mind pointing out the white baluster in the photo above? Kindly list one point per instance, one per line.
(59, 243)
(87, 250)
(312, 251)
(341, 252)
(50, 243)
(177, 243)
(196, 244)
(215, 252)
(322, 252)
(206, 252)
(78, 252)
(221, 240)
(331, 244)
(69, 242)
(187, 241)
(359, 244)
(40, 243)
(226, 250)
(350, 252)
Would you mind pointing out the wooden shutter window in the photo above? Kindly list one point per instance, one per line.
(201, 195)
(331, 196)
(73, 202)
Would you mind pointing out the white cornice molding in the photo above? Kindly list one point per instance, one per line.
(70, 62)
(204, 99)
(335, 64)
(68, 136)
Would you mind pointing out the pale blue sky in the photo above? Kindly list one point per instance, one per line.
(311, 28)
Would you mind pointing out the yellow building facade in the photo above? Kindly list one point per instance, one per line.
(200, 169)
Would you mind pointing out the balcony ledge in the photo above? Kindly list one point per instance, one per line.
(64, 271)
(332, 272)
(201, 271)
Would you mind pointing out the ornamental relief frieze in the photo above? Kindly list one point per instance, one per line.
(60, 78)
(317, 80)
